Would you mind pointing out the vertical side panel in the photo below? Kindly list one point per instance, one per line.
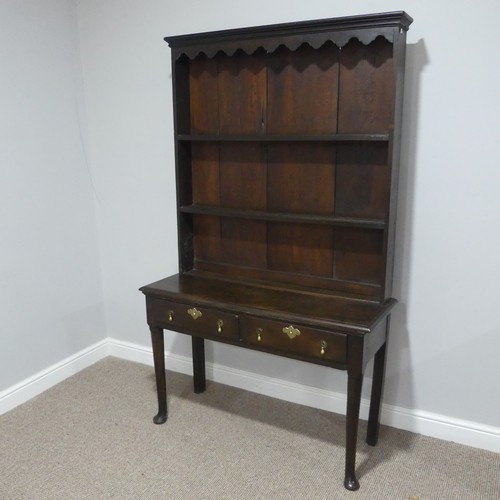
(394, 157)
(180, 80)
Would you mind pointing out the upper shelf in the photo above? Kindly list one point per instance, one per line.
(316, 33)
(285, 138)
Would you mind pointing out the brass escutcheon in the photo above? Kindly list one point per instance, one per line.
(194, 313)
(171, 315)
(291, 331)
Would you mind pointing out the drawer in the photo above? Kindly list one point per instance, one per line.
(194, 320)
(298, 340)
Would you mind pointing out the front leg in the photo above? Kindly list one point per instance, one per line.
(159, 362)
(354, 384)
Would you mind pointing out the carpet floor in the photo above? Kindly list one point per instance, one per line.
(92, 437)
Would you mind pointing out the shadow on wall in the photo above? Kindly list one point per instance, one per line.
(399, 389)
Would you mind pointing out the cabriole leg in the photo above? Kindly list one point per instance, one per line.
(159, 361)
(354, 384)
(376, 397)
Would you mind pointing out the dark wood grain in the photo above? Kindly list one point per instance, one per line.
(302, 249)
(182, 98)
(354, 289)
(361, 138)
(272, 300)
(358, 255)
(207, 238)
(243, 173)
(244, 243)
(362, 182)
(269, 335)
(303, 218)
(157, 340)
(203, 96)
(301, 178)
(365, 27)
(373, 428)
(199, 376)
(366, 88)
(205, 173)
(205, 190)
(242, 83)
(243, 184)
(292, 107)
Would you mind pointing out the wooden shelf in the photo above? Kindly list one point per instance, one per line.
(285, 138)
(283, 217)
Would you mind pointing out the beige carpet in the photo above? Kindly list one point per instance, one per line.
(92, 437)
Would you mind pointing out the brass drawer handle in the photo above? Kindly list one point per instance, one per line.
(220, 324)
(259, 334)
(194, 313)
(171, 315)
(323, 346)
(291, 331)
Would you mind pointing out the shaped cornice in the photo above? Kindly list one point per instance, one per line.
(292, 35)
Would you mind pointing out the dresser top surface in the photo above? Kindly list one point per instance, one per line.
(307, 306)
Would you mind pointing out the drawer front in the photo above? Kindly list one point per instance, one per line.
(294, 339)
(195, 320)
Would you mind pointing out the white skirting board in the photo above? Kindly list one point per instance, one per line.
(41, 381)
(421, 422)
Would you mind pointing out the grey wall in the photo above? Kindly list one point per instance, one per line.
(51, 300)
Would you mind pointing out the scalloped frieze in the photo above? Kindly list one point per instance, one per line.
(293, 42)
